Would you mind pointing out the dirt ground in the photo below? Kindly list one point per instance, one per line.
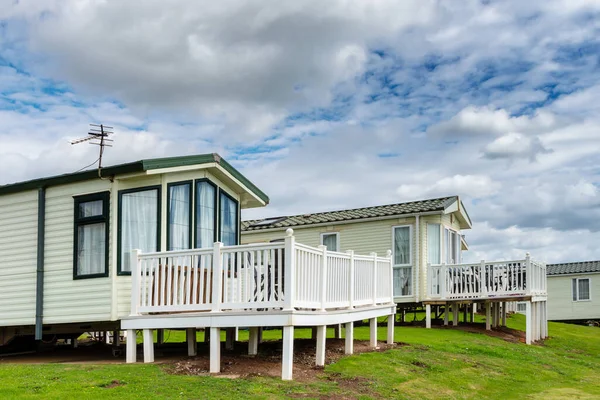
(234, 363)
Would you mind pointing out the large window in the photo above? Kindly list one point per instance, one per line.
(433, 244)
(331, 240)
(91, 236)
(402, 260)
(179, 216)
(452, 246)
(206, 214)
(228, 226)
(581, 289)
(139, 223)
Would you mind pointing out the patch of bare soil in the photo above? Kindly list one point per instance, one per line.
(112, 384)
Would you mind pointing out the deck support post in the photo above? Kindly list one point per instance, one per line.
(253, 341)
(503, 313)
(473, 308)
(446, 311)
(528, 322)
(190, 338)
(390, 329)
(428, 316)
(287, 359)
(544, 320)
(160, 336)
(337, 331)
(349, 345)
(148, 346)
(321, 343)
(229, 338)
(260, 334)
(215, 350)
(488, 316)
(455, 308)
(130, 346)
(373, 332)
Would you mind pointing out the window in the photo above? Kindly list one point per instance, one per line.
(228, 227)
(206, 214)
(521, 307)
(433, 244)
(179, 216)
(402, 257)
(452, 241)
(91, 236)
(581, 289)
(139, 223)
(331, 240)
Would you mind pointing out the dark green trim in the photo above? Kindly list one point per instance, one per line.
(79, 221)
(120, 222)
(237, 215)
(216, 208)
(189, 183)
(39, 288)
(133, 167)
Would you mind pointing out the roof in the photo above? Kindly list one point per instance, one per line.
(390, 210)
(573, 268)
(133, 167)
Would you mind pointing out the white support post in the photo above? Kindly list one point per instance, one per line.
(148, 346)
(337, 331)
(217, 277)
(229, 338)
(321, 343)
(374, 255)
(323, 283)
(473, 307)
(237, 334)
(494, 315)
(545, 322)
(215, 350)
(287, 359)
(503, 313)
(253, 341)
(528, 322)
(488, 316)
(428, 316)
(534, 320)
(455, 307)
(135, 281)
(190, 337)
(351, 280)
(130, 346)
(349, 345)
(390, 329)
(289, 273)
(446, 313)
(373, 332)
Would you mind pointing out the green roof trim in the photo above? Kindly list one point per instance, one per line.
(133, 167)
(390, 210)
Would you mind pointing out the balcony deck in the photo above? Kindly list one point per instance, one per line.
(283, 284)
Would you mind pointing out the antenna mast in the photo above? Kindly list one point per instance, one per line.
(98, 135)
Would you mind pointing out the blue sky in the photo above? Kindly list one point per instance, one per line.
(355, 104)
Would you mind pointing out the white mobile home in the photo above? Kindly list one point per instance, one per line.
(574, 291)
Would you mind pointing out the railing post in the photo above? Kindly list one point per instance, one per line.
(444, 281)
(134, 261)
(391, 266)
(374, 256)
(323, 277)
(528, 274)
(482, 279)
(217, 277)
(289, 269)
(351, 280)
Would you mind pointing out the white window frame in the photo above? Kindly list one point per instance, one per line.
(337, 240)
(411, 257)
(577, 286)
(445, 245)
(442, 252)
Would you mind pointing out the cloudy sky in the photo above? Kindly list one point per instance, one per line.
(328, 105)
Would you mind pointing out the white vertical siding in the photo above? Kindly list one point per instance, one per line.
(18, 256)
(560, 298)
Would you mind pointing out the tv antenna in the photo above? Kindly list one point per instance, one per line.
(97, 135)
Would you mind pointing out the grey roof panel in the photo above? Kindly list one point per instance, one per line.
(352, 214)
(573, 268)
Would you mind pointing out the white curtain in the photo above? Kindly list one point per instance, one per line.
(584, 289)
(179, 217)
(330, 241)
(90, 209)
(402, 245)
(433, 244)
(402, 281)
(139, 224)
(228, 221)
(205, 215)
(91, 242)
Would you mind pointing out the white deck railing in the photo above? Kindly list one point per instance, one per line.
(486, 279)
(283, 275)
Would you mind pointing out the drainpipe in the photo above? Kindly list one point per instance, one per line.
(417, 257)
(39, 290)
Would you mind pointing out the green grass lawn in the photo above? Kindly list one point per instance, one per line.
(435, 363)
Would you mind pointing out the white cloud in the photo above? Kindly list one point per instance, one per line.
(515, 145)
